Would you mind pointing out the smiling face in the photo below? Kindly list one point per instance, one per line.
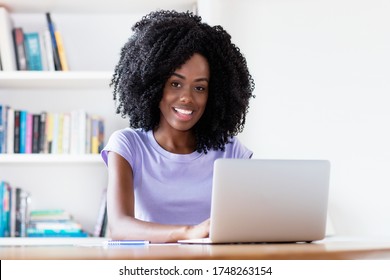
(185, 95)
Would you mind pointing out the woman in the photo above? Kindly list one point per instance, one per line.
(185, 89)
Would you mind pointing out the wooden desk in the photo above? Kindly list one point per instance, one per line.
(328, 249)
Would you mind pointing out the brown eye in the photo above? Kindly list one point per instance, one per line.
(175, 84)
(200, 88)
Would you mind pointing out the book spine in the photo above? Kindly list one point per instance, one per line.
(29, 133)
(99, 230)
(23, 131)
(10, 130)
(95, 135)
(48, 50)
(45, 66)
(60, 133)
(56, 56)
(20, 54)
(22, 210)
(13, 211)
(42, 132)
(6, 210)
(35, 138)
(48, 133)
(33, 51)
(6, 108)
(54, 143)
(66, 134)
(61, 51)
(2, 128)
(17, 132)
(74, 135)
(101, 134)
(82, 133)
(2, 225)
(7, 49)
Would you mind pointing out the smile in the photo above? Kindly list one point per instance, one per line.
(183, 111)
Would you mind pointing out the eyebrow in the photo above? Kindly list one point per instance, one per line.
(196, 80)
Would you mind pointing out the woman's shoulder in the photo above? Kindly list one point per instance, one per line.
(129, 134)
(235, 148)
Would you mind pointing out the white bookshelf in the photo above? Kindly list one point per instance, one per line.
(93, 33)
(55, 79)
(49, 158)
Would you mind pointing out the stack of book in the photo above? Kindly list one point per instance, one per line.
(53, 223)
(32, 51)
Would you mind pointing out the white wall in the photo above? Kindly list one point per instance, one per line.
(322, 73)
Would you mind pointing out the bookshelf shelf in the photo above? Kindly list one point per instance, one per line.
(90, 6)
(49, 158)
(55, 80)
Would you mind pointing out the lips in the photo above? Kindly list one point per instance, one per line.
(183, 113)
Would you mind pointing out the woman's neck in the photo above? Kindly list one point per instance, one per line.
(174, 141)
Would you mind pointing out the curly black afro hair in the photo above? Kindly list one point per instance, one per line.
(162, 42)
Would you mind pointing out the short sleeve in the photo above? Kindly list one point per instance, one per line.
(120, 142)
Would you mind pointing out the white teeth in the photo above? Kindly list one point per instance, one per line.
(182, 111)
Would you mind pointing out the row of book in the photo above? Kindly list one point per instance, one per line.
(33, 51)
(17, 220)
(75, 132)
(14, 209)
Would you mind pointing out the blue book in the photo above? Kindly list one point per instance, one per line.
(56, 56)
(33, 51)
(55, 233)
(23, 132)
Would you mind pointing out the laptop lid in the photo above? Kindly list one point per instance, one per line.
(256, 200)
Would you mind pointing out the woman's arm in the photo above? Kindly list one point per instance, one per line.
(120, 209)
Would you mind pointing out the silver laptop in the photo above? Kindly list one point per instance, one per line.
(255, 200)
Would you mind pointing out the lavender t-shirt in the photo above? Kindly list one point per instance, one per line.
(169, 188)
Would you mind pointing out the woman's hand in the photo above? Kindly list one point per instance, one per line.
(201, 230)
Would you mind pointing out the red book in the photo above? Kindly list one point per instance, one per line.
(20, 53)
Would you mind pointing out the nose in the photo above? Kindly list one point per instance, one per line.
(186, 96)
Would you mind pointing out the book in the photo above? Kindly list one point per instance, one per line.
(66, 133)
(47, 50)
(5, 211)
(42, 132)
(94, 135)
(101, 222)
(49, 128)
(10, 130)
(35, 134)
(22, 207)
(61, 51)
(55, 225)
(56, 233)
(16, 142)
(101, 135)
(33, 51)
(20, 53)
(22, 131)
(49, 215)
(56, 56)
(2, 128)
(29, 133)
(7, 50)
(5, 113)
